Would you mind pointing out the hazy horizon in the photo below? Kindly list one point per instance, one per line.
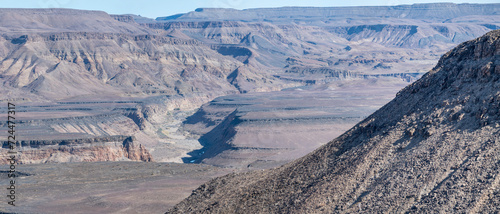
(154, 8)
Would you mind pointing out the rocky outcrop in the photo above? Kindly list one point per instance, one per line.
(134, 152)
(242, 54)
(434, 148)
(124, 18)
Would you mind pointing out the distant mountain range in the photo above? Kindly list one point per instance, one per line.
(250, 42)
(443, 12)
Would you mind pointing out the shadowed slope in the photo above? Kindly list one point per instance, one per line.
(436, 143)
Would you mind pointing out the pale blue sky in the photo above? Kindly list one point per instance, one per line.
(157, 8)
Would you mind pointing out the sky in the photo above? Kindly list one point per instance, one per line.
(159, 8)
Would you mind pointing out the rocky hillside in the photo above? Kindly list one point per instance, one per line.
(434, 148)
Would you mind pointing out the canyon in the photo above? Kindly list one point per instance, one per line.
(221, 90)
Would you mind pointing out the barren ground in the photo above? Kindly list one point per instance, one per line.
(104, 187)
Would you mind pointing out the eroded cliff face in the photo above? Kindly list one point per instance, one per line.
(114, 148)
(112, 63)
(434, 148)
(135, 152)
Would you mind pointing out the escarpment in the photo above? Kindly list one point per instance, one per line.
(112, 148)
